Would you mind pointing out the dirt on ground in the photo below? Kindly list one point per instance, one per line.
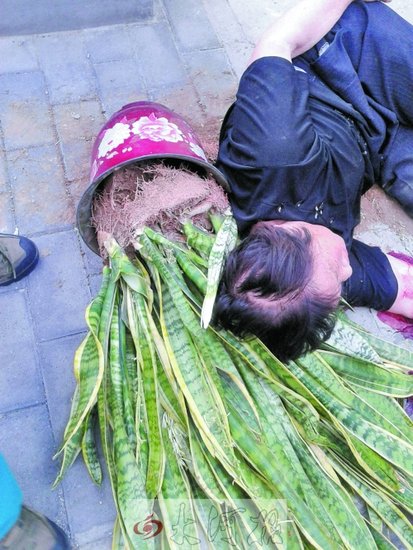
(384, 223)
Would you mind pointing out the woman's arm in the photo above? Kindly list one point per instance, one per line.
(403, 305)
(300, 28)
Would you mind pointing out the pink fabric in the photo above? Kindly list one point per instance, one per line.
(400, 324)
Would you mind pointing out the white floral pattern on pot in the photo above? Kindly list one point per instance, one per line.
(197, 150)
(113, 137)
(157, 129)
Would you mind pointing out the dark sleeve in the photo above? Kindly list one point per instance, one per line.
(270, 121)
(373, 283)
(270, 151)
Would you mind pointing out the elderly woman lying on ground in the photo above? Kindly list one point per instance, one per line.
(323, 111)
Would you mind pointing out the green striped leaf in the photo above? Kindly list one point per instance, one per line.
(350, 342)
(378, 501)
(396, 450)
(89, 451)
(369, 375)
(175, 499)
(225, 241)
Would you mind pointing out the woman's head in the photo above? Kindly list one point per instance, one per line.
(283, 283)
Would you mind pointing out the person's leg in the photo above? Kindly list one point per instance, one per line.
(379, 44)
(397, 171)
(11, 499)
(367, 60)
(20, 527)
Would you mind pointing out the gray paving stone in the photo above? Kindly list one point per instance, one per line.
(123, 75)
(4, 179)
(160, 63)
(116, 99)
(183, 100)
(20, 370)
(80, 492)
(78, 120)
(108, 44)
(76, 189)
(76, 159)
(7, 221)
(58, 292)
(192, 27)
(25, 17)
(13, 287)
(77, 125)
(17, 54)
(40, 196)
(95, 281)
(120, 82)
(27, 125)
(27, 445)
(93, 262)
(101, 544)
(212, 65)
(29, 86)
(56, 360)
(231, 34)
(68, 72)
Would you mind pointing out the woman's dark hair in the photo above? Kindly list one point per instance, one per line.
(266, 290)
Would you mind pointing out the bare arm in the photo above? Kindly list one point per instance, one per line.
(300, 28)
(403, 305)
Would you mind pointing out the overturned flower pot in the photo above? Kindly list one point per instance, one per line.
(140, 133)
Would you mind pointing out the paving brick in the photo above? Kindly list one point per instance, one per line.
(80, 492)
(255, 21)
(101, 544)
(68, 72)
(116, 99)
(230, 32)
(3, 172)
(7, 221)
(17, 54)
(183, 100)
(108, 44)
(78, 120)
(24, 17)
(20, 371)
(160, 63)
(40, 196)
(27, 445)
(77, 125)
(56, 360)
(95, 282)
(192, 27)
(76, 189)
(93, 262)
(29, 86)
(76, 158)
(212, 65)
(120, 82)
(58, 291)
(27, 125)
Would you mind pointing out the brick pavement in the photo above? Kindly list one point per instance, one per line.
(56, 90)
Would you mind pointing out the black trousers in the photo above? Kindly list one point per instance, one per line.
(369, 63)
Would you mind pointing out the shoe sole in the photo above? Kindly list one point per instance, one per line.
(27, 271)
